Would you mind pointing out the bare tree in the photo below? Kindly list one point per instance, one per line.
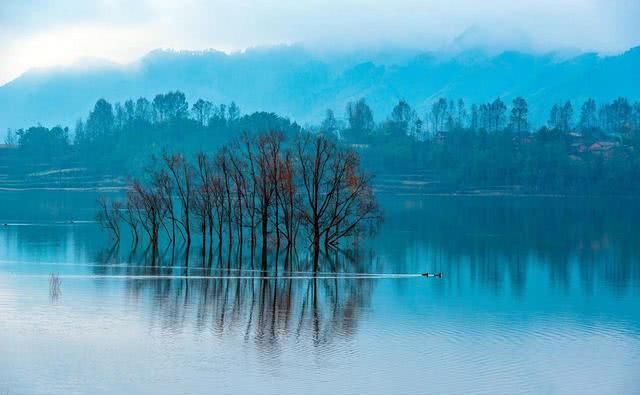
(257, 181)
(251, 195)
(218, 202)
(151, 210)
(205, 190)
(182, 174)
(338, 199)
(223, 164)
(354, 205)
(288, 193)
(201, 208)
(164, 187)
(109, 216)
(130, 218)
(263, 181)
(274, 144)
(239, 177)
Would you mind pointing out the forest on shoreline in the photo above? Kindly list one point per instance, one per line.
(590, 149)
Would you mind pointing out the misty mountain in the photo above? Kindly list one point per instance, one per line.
(292, 81)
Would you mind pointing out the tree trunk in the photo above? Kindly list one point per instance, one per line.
(316, 247)
(173, 229)
(210, 233)
(187, 228)
(204, 235)
(253, 240)
(240, 224)
(264, 224)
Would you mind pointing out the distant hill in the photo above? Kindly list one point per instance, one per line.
(294, 82)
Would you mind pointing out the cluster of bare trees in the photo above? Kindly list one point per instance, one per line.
(259, 191)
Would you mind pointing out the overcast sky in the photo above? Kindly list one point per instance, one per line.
(38, 33)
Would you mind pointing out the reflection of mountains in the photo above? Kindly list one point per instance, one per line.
(502, 240)
(265, 311)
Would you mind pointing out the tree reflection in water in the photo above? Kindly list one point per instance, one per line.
(502, 243)
(264, 307)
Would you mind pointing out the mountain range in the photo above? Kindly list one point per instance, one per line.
(300, 84)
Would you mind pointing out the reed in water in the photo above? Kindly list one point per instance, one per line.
(54, 286)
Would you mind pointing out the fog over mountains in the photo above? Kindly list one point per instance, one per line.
(295, 82)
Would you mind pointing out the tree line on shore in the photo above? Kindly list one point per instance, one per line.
(445, 115)
(492, 145)
(261, 190)
(481, 145)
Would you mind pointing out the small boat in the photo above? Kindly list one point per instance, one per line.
(427, 274)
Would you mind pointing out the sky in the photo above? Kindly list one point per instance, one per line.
(45, 33)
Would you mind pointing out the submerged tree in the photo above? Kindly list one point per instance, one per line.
(337, 197)
(109, 216)
(182, 174)
(257, 185)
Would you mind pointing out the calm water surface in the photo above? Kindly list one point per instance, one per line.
(540, 295)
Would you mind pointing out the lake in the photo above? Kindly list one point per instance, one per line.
(538, 295)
